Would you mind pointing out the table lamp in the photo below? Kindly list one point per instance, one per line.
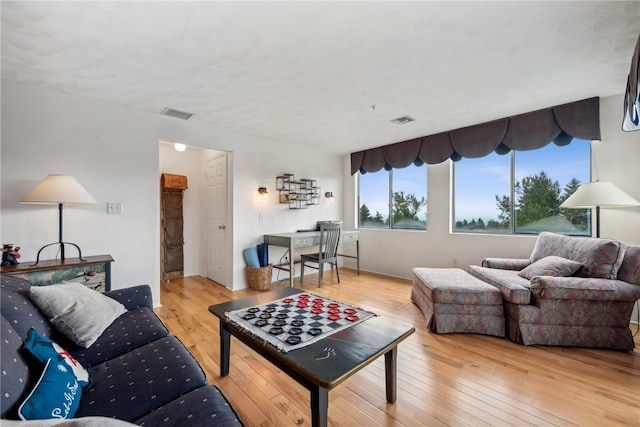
(59, 190)
(599, 195)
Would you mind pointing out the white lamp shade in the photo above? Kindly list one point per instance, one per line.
(603, 194)
(56, 189)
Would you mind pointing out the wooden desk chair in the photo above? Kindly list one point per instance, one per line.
(329, 239)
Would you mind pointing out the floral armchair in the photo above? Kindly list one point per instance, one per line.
(571, 291)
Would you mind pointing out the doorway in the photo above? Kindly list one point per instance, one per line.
(206, 206)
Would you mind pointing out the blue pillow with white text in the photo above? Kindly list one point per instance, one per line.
(56, 395)
(44, 349)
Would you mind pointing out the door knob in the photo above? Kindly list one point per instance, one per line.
(222, 227)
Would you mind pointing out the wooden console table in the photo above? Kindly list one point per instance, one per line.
(94, 272)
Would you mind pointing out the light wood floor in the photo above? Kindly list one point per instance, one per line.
(443, 380)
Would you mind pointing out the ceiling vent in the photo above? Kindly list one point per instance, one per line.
(176, 113)
(402, 120)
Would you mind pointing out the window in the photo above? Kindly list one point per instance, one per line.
(521, 192)
(477, 181)
(394, 199)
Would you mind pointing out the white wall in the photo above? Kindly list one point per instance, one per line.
(617, 158)
(114, 153)
(261, 165)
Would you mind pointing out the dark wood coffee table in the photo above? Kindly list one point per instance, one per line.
(323, 365)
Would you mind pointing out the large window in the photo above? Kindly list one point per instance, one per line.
(521, 192)
(394, 199)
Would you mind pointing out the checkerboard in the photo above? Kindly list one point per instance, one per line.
(297, 321)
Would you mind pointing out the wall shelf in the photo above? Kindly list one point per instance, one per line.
(298, 194)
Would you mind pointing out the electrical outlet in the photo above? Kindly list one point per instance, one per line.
(114, 208)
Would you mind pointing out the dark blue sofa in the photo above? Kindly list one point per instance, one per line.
(139, 372)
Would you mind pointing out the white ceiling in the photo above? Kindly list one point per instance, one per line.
(308, 73)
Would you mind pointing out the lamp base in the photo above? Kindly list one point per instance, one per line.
(61, 251)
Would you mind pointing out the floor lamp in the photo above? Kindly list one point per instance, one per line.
(599, 195)
(59, 190)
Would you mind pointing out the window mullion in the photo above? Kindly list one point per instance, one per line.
(512, 202)
(391, 199)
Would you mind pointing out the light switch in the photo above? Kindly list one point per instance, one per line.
(114, 208)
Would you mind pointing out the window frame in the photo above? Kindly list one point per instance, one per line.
(390, 201)
(512, 196)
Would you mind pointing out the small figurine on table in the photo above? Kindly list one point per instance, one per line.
(10, 255)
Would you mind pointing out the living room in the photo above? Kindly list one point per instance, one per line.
(116, 151)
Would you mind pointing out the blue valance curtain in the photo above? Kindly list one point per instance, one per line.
(529, 131)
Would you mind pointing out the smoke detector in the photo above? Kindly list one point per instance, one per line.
(403, 120)
(176, 113)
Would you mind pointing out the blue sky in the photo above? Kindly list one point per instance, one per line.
(479, 180)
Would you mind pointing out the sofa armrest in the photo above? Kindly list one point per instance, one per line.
(133, 297)
(584, 288)
(506, 263)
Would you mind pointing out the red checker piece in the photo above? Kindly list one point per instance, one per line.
(350, 310)
(334, 317)
(302, 304)
(288, 300)
(316, 310)
(352, 318)
(303, 296)
(318, 300)
(334, 305)
(334, 311)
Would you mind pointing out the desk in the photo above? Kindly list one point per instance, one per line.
(306, 239)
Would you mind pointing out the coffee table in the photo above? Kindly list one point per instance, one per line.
(322, 365)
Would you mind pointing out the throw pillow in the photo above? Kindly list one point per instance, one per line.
(79, 313)
(550, 266)
(92, 421)
(56, 395)
(44, 349)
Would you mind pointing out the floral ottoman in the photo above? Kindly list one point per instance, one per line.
(454, 301)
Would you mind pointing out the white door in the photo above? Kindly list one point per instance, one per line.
(216, 187)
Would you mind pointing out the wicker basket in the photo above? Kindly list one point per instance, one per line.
(259, 277)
